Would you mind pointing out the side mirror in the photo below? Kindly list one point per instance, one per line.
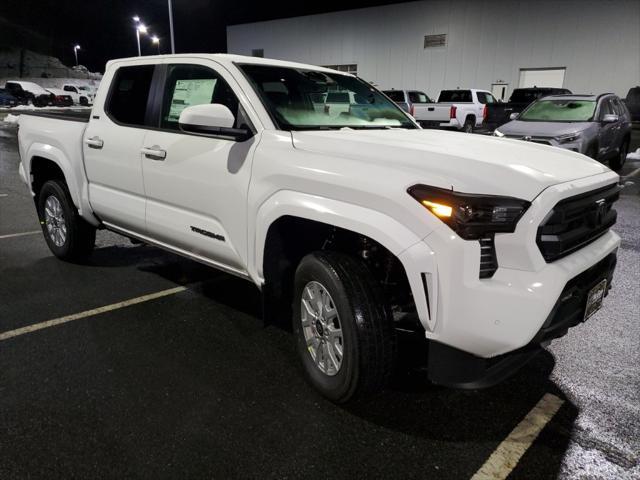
(610, 118)
(211, 119)
(514, 116)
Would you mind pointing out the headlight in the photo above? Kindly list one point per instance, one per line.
(471, 216)
(498, 133)
(568, 138)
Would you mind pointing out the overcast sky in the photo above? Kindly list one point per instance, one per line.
(105, 30)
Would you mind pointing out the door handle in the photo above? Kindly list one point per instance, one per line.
(154, 152)
(94, 142)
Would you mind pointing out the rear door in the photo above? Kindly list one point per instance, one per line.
(111, 146)
(196, 185)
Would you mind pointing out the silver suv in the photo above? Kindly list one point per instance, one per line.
(597, 125)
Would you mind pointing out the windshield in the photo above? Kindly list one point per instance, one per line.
(561, 110)
(300, 99)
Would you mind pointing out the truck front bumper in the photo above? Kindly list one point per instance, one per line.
(518, 308)
(453, 367)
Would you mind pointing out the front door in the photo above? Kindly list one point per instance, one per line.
(608, 131)
(196, 186)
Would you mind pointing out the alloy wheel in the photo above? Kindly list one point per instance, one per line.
(322, 328)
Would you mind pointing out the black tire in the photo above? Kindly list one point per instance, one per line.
(469, 125)
(80, 236)
(84, 101)
(368, 337)
(617, 162)
(592, 151)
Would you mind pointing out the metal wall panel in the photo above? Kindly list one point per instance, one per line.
(598, 41)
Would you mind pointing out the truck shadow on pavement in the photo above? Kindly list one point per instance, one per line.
(451, 420)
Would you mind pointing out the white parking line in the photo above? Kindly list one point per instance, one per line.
(505, 458)
(88, 313)
(4, 194)
(13, 235)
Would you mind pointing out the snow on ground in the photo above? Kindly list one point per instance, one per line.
(634, 155)
(11, 118)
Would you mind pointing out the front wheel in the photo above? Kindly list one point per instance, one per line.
(617, 162)
(343, 327)
(68, 235)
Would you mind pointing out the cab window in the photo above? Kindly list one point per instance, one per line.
(127, 103)
(189, 85)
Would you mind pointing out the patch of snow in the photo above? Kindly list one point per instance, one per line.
(634, 155)
(11, 118)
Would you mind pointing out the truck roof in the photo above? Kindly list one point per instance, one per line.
(224, 59)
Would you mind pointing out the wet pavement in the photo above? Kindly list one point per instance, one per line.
(193, 384)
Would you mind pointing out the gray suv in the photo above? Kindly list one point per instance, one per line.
(598, 126)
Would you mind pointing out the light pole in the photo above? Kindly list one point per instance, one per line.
(75, 51)
(140, 29)
(173, 43)
(136, 19)
(156, 41)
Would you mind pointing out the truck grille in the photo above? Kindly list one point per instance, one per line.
(576, 222)
(488, 260)
(527, 138)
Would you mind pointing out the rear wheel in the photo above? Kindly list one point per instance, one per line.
(68, 236)
(84, 101)
(617, 162)
(469, 125)
(343, 328)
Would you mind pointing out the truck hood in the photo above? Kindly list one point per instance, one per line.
(460, 161)
(542, 129)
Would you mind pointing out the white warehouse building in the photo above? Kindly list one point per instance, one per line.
(587, 46)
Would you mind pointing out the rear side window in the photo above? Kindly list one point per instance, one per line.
(189, 85)
(129, 95)
(395, 95)
(419, 97)
(455, 96)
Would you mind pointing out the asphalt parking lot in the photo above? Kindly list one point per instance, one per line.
(191, 383)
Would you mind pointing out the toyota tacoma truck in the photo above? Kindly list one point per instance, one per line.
(353, 226)
(456, 110)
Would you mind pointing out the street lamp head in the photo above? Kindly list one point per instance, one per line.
(77, 47)
(136, 19)
(155, 39)
(142, 28)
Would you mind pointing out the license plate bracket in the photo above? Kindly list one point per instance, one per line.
(594, 298)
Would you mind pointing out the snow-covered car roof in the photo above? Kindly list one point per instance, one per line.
(30, 87)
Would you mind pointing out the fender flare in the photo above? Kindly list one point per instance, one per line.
(79, 193)
(394, 236)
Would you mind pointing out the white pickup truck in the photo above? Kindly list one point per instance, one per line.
(355, 227)
(456, 109)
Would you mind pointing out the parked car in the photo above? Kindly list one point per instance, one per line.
(457, 109)
(81, 94)
(6, 99)
(60, 98)
(598, 126)
(499, 113)
(29, 93)
(407, 99)
(633, 103)
(352, 226)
